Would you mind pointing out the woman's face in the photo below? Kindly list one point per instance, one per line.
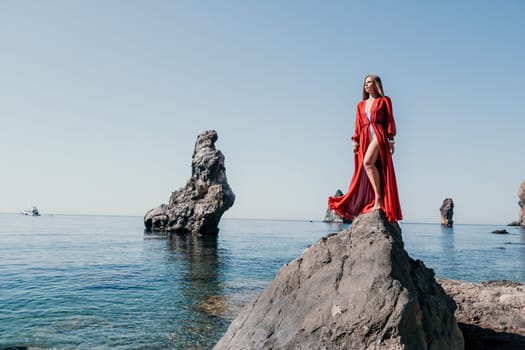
(370, 87)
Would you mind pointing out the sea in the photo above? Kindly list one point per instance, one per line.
(101, 282)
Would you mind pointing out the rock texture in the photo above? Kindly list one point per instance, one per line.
(356, 290)
(490, 314)
(447, 212)
(197, 207)
(330, 215)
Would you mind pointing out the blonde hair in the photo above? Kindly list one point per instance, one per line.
(377, 85)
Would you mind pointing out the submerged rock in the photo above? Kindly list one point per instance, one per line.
(197, 207)
(447, 212)
(356, 290)
(213, 305)
(490, 314)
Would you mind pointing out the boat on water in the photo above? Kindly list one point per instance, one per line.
(33, 211)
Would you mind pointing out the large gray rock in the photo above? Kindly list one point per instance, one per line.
(197, 207)
(447, 212)
(356, 290)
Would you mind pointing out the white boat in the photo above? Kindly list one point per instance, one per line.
(31, 211)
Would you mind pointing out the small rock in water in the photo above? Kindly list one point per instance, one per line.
(500, 231)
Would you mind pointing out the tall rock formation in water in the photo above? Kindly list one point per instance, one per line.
(356, 290)
(330, 215)
(197, 207)
(521, 202)
(447, 212)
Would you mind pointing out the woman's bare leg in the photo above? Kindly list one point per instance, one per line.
(371, 155)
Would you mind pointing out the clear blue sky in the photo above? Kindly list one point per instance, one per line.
(101, 102)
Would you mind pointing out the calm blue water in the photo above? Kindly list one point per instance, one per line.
(99, 282)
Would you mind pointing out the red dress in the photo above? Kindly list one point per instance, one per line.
(359, 198)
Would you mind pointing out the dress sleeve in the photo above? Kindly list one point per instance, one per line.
(391, 124)
(355, 137)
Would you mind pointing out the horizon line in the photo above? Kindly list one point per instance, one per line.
(251, 218)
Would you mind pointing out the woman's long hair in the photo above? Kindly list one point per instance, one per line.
(377, 84)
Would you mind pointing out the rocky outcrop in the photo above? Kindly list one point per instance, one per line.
(197, 207)
(356, 290)
(447, 212)
(521, 203)
(500, 232)
(490, 314)
(330, 215)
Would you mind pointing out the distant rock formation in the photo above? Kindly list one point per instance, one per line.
(355, 290)
(330, 215)
(521, 202)
(491, 314)
(197, 207)
(447, 212)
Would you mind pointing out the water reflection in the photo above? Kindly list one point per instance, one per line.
(446, 229)
(447, 237)
(448, 255)
(201, 290)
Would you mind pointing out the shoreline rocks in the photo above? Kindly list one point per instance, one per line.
(358, 289)
(491, 314)
(197, 207)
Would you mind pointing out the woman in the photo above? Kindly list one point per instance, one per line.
(373, 185)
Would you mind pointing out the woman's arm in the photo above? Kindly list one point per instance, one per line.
(355, 137)
(391, 124)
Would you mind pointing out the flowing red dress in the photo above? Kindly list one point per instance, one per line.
(359, 198)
